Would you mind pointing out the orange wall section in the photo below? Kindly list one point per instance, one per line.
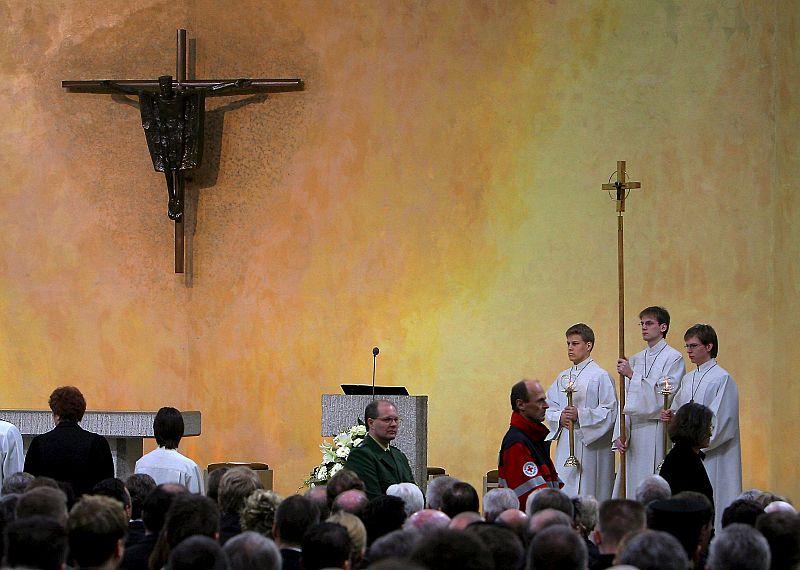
(434, 191)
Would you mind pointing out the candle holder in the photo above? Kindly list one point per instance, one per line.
(666, 391)
(571, 461)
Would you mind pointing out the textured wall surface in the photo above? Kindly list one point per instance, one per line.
(434, 191)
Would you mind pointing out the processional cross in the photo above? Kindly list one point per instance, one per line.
(621, 187)
(173, 112)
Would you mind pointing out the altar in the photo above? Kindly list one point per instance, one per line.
(125, 431)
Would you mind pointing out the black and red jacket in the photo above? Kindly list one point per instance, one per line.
(524, 464)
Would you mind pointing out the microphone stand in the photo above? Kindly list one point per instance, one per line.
(375, 352)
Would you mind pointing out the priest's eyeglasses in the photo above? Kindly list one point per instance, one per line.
(390, 419)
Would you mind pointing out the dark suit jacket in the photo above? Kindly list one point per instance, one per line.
(135, 533)
(229, 526)
(378, 468)
(291, 559)
(137, 556)
(71, 454)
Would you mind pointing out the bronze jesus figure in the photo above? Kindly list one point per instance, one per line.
(173, 126)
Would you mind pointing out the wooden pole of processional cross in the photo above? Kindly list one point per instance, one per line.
(621, 187)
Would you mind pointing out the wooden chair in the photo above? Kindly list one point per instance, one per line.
(434, 472)
(265, 474)
(490, 481)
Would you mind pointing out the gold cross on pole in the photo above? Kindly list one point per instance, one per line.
(621, 186)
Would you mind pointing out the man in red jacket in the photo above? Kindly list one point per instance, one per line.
(524, 465)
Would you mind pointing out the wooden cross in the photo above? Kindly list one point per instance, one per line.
(620, 186)
(175, 140)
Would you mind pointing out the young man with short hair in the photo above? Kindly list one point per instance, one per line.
(616, 519)
(96, 531)
(645, 375)
(711, 385)
(166, 464)
(594, 412)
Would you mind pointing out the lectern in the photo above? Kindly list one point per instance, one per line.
(341, 412)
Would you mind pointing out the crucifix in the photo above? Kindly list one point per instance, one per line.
(621, 188)
(173, 112)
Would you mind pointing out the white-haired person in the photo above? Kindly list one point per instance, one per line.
(411, 494)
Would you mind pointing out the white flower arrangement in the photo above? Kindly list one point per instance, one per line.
(334, 455)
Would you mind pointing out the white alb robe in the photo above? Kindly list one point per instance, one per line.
(12, 456)
(712, 386)
(168, 466)
(643, 405)
(596, 402)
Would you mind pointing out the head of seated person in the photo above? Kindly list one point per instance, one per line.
(197, 553)
(652, 549)
(96, 531)
(258, 513)
(343, 480)
(411, 495)
(460, 497)
(114, 488)
(550, 499)
(558, 547)
(45, 502)
(36, 542)
(498, 500)
(139, 486)
(252, 550)
(234, 488)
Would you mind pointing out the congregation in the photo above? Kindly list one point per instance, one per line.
(141, 525)
(61, 506)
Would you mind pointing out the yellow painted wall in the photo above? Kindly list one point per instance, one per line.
(785, 455)
(434, 191)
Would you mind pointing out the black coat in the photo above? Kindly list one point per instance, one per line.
(291, 559)
(138, 555)
(71, 454)
(684, 471)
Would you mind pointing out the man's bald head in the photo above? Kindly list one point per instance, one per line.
(427, 519)
(463, 520)
(545, 518)
(353, 501)
(528, 398)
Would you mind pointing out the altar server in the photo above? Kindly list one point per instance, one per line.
(711, 385)
(650, 371)
(593, 412)
(12, 457)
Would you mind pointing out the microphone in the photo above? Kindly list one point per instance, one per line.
(375, 352)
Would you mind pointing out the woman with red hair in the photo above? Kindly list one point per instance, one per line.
(69, 453)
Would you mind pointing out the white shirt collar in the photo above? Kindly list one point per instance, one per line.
(657, 347)
(706, 365)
